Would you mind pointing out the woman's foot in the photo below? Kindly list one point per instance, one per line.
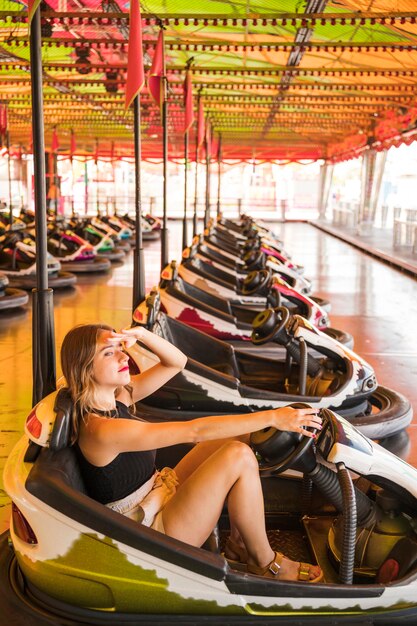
(282, 568)
(236, 554)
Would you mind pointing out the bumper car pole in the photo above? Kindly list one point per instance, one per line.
(188, 100)
(219, 176)
(164, 233)
(195, 217)
(138, 261)
(208, 158)
(184, 221)
(43, 358)
(9, 174)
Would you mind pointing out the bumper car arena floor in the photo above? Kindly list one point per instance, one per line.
(374, 302)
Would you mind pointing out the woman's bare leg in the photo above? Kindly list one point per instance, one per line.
(232, 473)
(197, 455)
(194, 459)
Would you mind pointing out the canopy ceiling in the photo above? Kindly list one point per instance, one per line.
(279, 79)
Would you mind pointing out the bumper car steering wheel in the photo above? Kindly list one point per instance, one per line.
(279, 450)
(268, 324)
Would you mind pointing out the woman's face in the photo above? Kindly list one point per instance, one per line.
(110, 363)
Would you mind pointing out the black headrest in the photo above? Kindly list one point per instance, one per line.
(61, 431)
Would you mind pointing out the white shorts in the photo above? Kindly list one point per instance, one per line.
(145, 505)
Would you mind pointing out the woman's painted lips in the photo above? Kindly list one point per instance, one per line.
(123, 369)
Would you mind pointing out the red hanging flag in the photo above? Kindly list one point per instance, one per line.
(200, 124)
(208, 140)
(157, 72)
(215, 146)
(72, 144)
(3, 120)
(55, 141)
(219, 149)
(135, 72)
(32, 6)
(188, 102)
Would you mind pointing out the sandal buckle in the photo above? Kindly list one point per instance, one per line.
(304, 572)
(274, 568)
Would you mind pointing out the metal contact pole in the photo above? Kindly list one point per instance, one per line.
(208, 156)
(9, 170)
(138, 258)
(97, 185)
(164, 234)
(184, 221)
(43, 353)
(195, 216)
(219, 178)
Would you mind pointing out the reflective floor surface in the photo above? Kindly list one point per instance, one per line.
(369, 299)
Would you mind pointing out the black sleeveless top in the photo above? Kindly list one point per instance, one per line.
(126, 473)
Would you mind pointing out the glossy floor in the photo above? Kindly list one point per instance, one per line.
(371, 300)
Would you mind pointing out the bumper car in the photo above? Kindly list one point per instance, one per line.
(151, 226)
(18, 262)
(11, 298)
(220, 280)
(220, 318)
(103, 245)
(249, 234)
(124, 230)
(240, 261)
(153, 221)
(71, 560)
(75, 253)
(250, 240)
(312, 368)
(107, 229)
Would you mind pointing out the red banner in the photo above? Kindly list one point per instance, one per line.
(188, 102)
(200, 124)
(72, 144)
(156, 74)
(135, 72)
(3, 119)
(55, 141)
(32, 6)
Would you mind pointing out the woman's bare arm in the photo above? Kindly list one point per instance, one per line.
(114, 436)
(172, 361)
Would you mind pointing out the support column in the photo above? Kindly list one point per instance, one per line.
(381, 159)
(368, 190)
(326, 177)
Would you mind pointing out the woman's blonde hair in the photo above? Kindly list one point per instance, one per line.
(77, 355)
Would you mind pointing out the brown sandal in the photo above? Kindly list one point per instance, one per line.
(272, 570)
(235, 555)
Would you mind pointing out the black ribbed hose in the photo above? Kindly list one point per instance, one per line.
(302, 383)
(313, 368)
(357, 510)
(327, 481)
(347, 556)
(306, 494)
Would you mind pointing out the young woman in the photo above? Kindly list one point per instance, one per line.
(117, 451)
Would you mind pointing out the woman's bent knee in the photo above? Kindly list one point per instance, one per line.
(239, 454)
